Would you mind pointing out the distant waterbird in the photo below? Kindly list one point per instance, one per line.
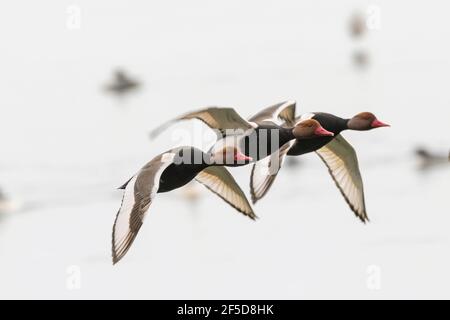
(357, 25)
(8, 205)
(361, 59)
(429, 159)
(122, 83)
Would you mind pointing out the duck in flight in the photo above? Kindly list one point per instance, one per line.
(177, 167)
(337, 154)
(166, 172)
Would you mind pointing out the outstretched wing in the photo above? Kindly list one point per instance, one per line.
(222, 183)
(138, 195)
(265, 171)
(278, 113)
(342, 162)
(215, 117)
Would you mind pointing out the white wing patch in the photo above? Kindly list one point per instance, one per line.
(221, 182)
(138, 195)
(342, 162)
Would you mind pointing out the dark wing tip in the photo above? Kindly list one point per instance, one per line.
(117, 255)
(360, 215)
(121, 249)
(256, 196)
(253, 196)
(252, 216)
(118, 250)
(365, 219)
(115, 259)
(123, 187)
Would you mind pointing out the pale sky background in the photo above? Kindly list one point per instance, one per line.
(66, 146)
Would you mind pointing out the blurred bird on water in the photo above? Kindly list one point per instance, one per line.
(429, 159)
(357, 25)
(122, 83)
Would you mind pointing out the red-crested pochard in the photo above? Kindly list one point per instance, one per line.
(337, 154)
(168, 171)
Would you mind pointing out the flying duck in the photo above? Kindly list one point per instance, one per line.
(337, 154)
(166, 172)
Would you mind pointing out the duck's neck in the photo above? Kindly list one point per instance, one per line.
(344, 124)
(286, 135)
(338, 125)
(331, 122)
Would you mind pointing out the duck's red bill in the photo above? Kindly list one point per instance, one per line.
(242, 157)
(320, 131)
(378, 124)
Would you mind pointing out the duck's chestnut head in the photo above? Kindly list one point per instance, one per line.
(365, 121)
(308, 129)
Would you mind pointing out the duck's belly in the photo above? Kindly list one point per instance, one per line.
(177, 175)
(306, 146)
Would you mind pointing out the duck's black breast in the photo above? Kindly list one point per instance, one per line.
(264, 140)
(306, 146)
(182, 171)
(176, 176)
(329, 122)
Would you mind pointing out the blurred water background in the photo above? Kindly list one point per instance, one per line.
(66, 145)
